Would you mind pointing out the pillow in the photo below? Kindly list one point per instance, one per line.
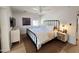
(50, 28)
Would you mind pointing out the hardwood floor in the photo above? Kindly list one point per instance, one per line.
(18, 47)
(53, 46)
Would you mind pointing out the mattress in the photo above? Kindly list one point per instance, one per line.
(43, 34)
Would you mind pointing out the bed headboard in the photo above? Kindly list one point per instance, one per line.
(55, 23)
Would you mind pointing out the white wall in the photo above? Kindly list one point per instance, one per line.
(78, 27)
(66, 15)
(0, 33)
(19, 15)
(5, 14)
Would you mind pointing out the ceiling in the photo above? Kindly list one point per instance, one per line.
(40, 10)
(32, 9)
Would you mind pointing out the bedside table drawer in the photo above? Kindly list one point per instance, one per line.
(62, 36)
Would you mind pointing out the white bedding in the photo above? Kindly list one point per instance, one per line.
(44, 34)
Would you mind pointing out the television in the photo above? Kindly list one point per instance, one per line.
(12, 22)
(26, 21)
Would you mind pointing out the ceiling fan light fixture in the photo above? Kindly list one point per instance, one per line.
(35, 9)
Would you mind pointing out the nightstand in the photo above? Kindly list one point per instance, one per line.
(62, 36)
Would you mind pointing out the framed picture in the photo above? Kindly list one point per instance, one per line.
(26, 21)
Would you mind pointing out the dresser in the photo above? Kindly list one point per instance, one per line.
(15, 35)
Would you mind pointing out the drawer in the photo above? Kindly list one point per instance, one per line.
(62, 36)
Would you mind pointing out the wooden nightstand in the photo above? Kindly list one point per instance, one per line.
(62, 36)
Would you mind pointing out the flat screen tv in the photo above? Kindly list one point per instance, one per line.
(12, 22)
(26, 21)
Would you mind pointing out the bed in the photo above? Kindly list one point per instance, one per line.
(42, 34)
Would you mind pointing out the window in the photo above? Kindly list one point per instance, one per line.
(35, 23)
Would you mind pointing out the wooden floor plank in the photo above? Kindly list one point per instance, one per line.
(53, 46)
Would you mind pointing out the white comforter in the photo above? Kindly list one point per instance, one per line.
(43, 34)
